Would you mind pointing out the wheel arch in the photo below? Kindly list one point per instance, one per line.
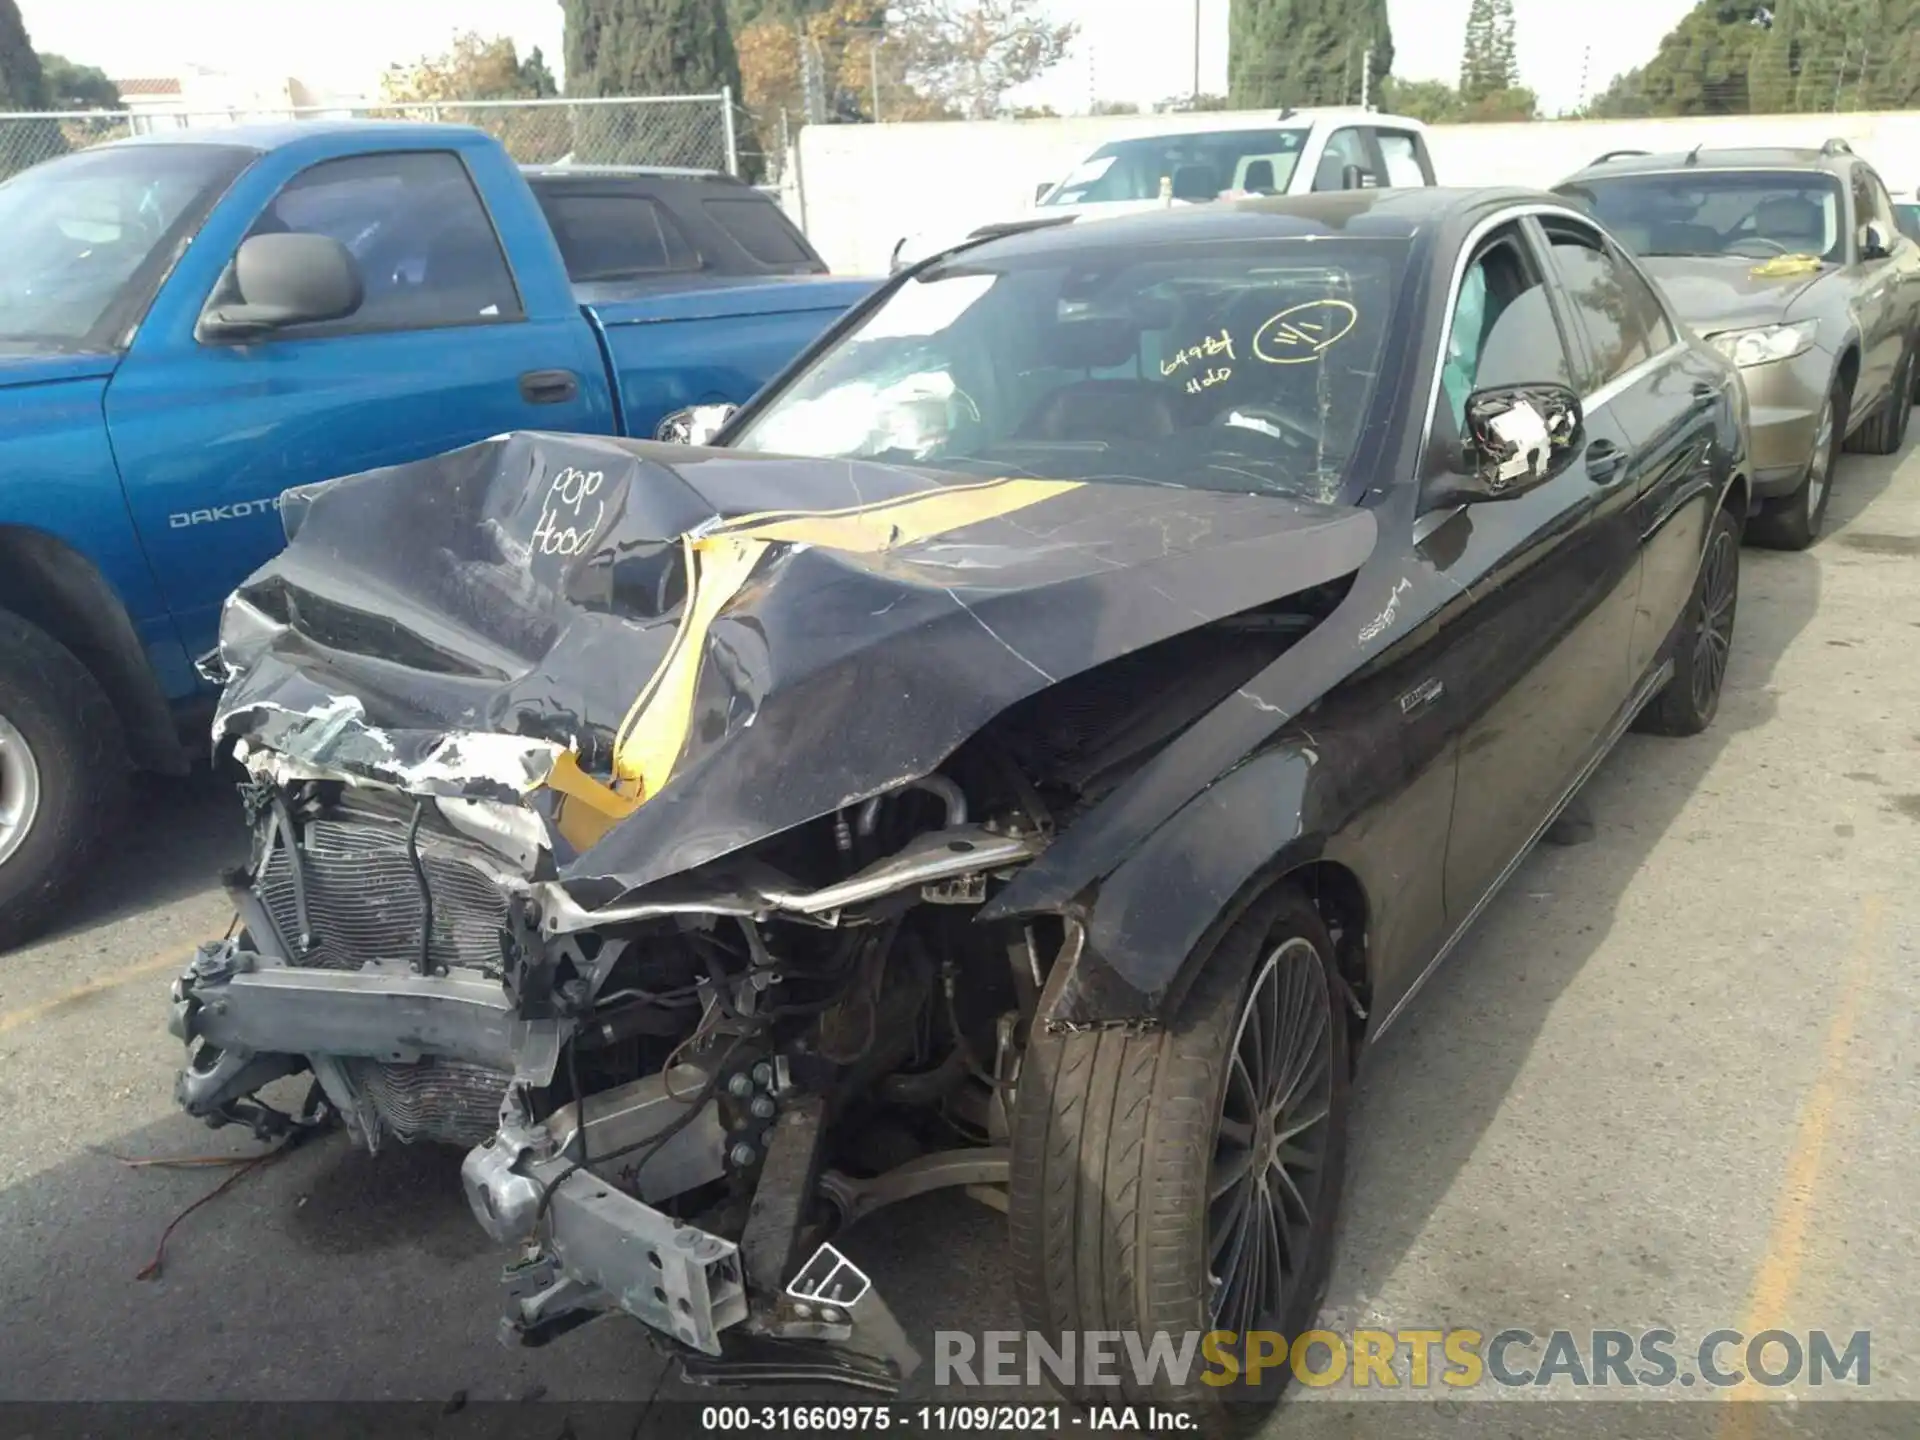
(1153, 923)
(51, 585)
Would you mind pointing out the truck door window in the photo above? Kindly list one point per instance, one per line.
(1401, 152)
(416, 227)
(610, 237)
(1344, 148)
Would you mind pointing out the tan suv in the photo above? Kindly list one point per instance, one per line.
(1792, 264)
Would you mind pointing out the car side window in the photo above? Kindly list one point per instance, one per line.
(1344, 147)
(1618, 311)
(759, 227)
(607, 237)
(1401, 153)
(1882, 212)
(1502, 331)
(418, 232)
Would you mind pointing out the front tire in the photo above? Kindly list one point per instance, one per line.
(1187, 1179)
(1793, 521)
(63, 776)
(1703, 640)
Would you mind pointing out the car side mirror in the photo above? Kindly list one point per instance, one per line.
(1040, 191)
(695, 425)
(1518, 438)
(1875, 243)
(284, 279)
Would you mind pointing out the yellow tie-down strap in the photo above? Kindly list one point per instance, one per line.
(719, 564)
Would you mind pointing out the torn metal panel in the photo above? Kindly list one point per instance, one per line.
(638, 639)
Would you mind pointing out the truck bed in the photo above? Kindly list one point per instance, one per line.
(746, 328)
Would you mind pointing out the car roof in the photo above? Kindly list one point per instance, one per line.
(1375, 214)
(271, 135)
(1187, 122)
(563, 171)
(1832, 158)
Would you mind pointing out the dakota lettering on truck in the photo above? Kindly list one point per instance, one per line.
(239, 510)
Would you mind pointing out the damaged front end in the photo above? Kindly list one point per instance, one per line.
(628, 823)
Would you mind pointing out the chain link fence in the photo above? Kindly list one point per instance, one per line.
(696, 131)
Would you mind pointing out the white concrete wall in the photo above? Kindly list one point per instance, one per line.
(859, 188)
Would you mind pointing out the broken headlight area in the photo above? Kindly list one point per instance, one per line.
(673, 1101)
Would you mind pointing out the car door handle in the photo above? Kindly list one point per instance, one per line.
(549, 387)
(1604, 461)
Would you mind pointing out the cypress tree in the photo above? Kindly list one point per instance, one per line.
(1488, 64)
(1306, 52)
(23, 86)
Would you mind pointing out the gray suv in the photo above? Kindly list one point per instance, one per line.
(1793, 265)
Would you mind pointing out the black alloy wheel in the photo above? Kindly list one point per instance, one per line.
(1270, 1141)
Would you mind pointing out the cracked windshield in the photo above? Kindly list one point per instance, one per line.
(1227, 366)
(1753, 215)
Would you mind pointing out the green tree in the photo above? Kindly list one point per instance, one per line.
(23, 85)
(1434, 101)
(1488, 65)
(1735, 57)
(78, 87)
(649, 47)
(1306, 52)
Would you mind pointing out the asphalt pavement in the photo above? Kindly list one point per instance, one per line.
(1670, 1080)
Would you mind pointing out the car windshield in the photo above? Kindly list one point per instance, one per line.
(83, 229)
(1201, 166)
(1244, 365)
(1753, 214)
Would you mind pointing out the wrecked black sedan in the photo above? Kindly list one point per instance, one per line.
(1053, 730)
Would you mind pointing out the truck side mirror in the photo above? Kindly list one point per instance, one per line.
(1353, 177)
(279, 280)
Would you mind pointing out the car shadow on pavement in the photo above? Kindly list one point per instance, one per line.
(180, 832)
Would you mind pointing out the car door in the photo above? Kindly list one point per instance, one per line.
(1878, 302)
(1904, 260)
(1665, 395)
(442, 352)
(1554, 573)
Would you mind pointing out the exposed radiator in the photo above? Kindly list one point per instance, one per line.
(363, 899)
(451, 1102)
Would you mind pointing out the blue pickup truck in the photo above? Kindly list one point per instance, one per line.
(190, 325)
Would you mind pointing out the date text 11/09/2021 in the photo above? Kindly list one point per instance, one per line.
(931, 1419)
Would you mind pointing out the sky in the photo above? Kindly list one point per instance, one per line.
(1139, 50)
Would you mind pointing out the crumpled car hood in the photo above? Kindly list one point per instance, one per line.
(671, 653)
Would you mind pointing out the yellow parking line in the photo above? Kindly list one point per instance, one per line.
(1779, 1273)
(170, 960)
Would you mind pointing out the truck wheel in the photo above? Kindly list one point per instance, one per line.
(63, 775)
(1185, 1180)
(1793, 522)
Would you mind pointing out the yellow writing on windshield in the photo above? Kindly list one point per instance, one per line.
(1204, 349)
(1301, 332)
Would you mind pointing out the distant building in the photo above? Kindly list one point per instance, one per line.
(201, 95)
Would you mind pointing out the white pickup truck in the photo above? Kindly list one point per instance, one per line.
(1296, 152)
